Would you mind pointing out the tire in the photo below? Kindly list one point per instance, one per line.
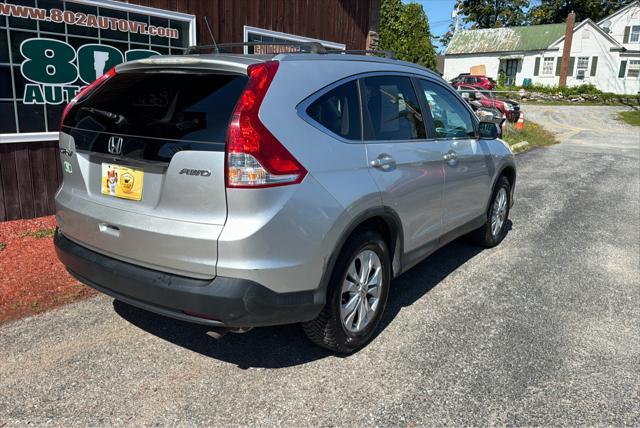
(328, 329)
(486, 235)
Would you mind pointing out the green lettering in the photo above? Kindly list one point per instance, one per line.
(53, 94)
(95, 60)
(70, 92)
(33, 94)
(48, 61)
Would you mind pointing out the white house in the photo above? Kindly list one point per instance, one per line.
(605, 54)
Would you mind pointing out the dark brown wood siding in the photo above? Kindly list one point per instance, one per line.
(30, 174)
(341, 21)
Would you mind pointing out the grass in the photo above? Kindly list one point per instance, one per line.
(569, 103)
(532, 133)
(41, 233)
(631, 117)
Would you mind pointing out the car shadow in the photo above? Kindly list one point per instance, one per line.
(286, 346)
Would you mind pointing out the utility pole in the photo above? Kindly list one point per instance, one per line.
(566, 51)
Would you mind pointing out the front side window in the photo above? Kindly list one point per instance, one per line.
(392, 109)
(634, 68)
(547, 67)
(339, 111)
(451, 118)
(583, 65)
(635, 34)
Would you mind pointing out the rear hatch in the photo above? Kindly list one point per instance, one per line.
(143, 156)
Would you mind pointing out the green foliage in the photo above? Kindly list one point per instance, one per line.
(631, 117)
(502, 78)
(532, 133)
(493, 14)
(42, 233)
(404, 29)
(556, 11)
(585, 89)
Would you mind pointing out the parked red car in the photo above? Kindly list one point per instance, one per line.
(489, 99)
(482, 81)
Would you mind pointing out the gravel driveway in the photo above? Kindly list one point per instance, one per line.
(544, 329)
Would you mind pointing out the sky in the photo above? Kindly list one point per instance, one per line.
(439, 14)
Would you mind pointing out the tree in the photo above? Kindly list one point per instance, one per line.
(493, 13)
(445, 38)
(556, 11)
(404, 29)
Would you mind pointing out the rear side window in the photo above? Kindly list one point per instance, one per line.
(166, 105)
(339, 111)
(392, 109)
(451, 118)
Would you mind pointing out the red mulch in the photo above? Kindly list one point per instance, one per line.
(32, 279)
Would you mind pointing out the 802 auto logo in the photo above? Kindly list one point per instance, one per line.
(54, 67)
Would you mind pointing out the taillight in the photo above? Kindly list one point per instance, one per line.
(85, 91)
(255, 158)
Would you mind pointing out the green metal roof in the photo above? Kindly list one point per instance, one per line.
(531, 38)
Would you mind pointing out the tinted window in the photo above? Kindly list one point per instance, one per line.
(339, 111)
(393, 112)
(177, 106)
(451, 118)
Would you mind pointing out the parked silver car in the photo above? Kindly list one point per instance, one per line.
(242, 190)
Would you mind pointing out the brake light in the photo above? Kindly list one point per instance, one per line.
(85, 91)
(255, 158)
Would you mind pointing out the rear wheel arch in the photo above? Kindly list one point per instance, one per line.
(383, 220)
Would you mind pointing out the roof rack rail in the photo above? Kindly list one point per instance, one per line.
(387, 54)
(314, 47)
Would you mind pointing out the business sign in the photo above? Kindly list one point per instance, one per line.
(261, 35)
(51, 49)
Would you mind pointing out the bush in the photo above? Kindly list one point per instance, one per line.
(589, 92)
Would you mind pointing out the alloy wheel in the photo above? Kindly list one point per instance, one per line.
(361, 289)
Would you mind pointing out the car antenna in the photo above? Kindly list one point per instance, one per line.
(206, 21)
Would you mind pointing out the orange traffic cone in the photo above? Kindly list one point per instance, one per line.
(520, 123)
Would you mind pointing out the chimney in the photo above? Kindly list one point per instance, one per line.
(566, 51)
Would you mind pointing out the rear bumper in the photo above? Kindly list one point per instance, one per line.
(221, 301)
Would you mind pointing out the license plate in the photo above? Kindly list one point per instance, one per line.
(122, 182)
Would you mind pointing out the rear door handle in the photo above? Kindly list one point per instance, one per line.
(384, 162)
(450, 156)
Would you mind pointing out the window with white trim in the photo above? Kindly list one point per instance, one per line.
(582, 67)
(547, 66)
(633, 68)
(635, 34)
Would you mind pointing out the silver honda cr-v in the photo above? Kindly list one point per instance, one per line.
(242, 190)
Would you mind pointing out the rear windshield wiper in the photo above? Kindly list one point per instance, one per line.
(117, 118)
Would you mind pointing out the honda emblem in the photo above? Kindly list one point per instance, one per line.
(115, 145)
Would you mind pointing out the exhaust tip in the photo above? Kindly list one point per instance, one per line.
(218, 333)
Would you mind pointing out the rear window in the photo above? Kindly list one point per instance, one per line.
(189, 107)
(339, 111)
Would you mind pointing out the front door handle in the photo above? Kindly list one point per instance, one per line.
(384, 162)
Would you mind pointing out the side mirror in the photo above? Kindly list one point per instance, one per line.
(490, 131)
